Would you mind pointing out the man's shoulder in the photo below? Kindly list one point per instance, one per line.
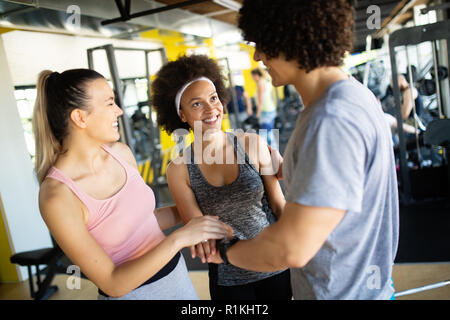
(349, 104)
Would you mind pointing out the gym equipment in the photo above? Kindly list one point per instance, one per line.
(224, 61)
(251, 123)
(429, 184)
(438, 134)
(287, 112)
(46, 256)
(406, 37)
(127, 133)
(427, 87)
(423, 288)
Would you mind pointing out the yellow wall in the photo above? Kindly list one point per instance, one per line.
(249, 84)
(172, 41)
(8, 271)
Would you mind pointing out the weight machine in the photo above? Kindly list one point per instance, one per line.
(408, 37)
(437, 132)
(126, 132)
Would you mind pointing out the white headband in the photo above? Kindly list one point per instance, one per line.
(183, 88)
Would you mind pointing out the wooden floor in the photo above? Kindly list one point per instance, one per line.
(406, 276)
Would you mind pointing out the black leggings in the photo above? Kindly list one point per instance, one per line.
(277, 287)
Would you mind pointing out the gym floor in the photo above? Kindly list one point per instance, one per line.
(406, 276)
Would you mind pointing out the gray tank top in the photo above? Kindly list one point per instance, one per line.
(242, 204)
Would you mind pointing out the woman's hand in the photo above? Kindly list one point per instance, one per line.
(204, 249)
(199, 229)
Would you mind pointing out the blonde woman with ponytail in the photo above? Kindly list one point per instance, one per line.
(94, 202)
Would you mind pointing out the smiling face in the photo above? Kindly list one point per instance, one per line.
(102, 119)
(200, 102)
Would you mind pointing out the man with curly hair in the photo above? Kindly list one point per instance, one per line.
(338, 231)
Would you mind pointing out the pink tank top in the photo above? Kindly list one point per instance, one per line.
(124, 225)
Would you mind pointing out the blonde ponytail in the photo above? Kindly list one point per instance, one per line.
(47, 146)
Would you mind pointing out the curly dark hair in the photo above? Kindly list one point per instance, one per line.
(172, 76)
(314, 33)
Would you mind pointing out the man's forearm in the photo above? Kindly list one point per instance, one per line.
(262, 253)
(291, 242)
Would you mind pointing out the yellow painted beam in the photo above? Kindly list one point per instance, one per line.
(165, 161)
(150, 174)
(144, 173)
(5, 30)
(8, 271)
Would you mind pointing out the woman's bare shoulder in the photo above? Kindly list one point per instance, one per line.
(178, 166)
(124, 152)
(55, 196)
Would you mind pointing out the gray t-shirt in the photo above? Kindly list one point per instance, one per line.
(340, 155)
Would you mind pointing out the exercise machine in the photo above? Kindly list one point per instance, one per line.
(125, 123)
(405, 38)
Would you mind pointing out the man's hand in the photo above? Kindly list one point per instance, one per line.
(207, 250)
(215, 258)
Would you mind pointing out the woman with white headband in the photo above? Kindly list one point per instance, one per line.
(220, 174)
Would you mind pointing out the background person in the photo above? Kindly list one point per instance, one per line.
(266, 109)
(244, 105)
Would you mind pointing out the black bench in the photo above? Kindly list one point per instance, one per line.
(46, 256)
